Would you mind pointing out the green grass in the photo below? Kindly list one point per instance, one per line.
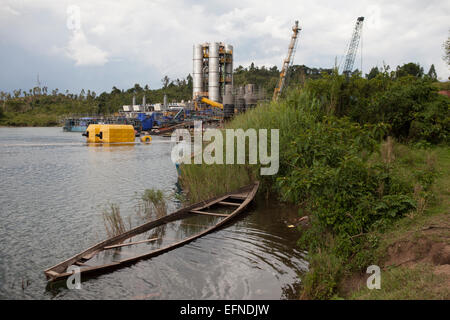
(204, 181)
(442, 85)
(154, 203)
(418, 282)
(29, 120)
(400, 283)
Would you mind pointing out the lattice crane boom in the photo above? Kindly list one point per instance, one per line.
(353, 46)
(287, 62)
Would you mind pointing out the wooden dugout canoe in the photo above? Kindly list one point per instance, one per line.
(238, 200)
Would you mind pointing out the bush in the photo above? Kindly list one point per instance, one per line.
(410, 105)
(325, 271)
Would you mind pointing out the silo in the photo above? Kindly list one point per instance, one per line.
(240, 102)
(250, 96)
(228, 102)
(197, 72)
(213, 75)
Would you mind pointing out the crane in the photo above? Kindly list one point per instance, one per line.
(353, 47)
(287, 62)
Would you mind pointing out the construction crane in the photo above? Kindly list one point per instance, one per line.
(353, 47)
(287, 63)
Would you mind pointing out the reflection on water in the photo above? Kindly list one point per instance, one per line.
(53, 189)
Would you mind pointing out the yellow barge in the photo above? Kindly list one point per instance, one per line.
(109, 133)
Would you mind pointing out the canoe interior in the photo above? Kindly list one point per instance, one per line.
(158, 236)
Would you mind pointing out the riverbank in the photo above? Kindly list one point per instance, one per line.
(360, 158)
(414, 253)
(30, 119)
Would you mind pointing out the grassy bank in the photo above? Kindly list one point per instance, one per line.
(359, 157)
(29, 120)
(414, 252)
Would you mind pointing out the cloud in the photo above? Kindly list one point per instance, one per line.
(83, 53)
(8, 11)
(158, 36)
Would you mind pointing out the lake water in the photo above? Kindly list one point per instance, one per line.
(54, 188)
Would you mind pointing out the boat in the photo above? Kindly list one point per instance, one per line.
(78, 124)
(217, 211)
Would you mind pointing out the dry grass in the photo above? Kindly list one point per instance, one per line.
(113, 221)
(387, 151)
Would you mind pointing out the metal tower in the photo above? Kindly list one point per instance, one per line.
(287, 62)
(353, 47)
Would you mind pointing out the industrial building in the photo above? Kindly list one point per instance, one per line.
(213, 70)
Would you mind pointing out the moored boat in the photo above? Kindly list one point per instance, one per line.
(216, 212)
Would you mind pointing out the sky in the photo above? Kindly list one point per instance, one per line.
(98, 44)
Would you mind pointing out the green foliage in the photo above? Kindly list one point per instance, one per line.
(410, 105)
(325, 271)
(432, 73)
(154, 202)
(332, 178)
(267, 78)
(446, 47)
(409, 69)
(406, 283)
(336, 167)
(373, 73)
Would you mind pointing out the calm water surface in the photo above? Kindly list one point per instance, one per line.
(53, 189)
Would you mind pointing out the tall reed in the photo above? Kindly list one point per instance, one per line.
(154, 203)
(113, 221)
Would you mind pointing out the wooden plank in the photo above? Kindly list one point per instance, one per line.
(52, 273)
(238, 197)
(210, 213)
(226, 203)
(130, 243)
(90, 255)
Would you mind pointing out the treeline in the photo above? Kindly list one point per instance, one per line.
(41, 107)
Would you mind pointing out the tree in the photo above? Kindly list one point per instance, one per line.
(114, 91)
(165, 81)
(137, 88)
(373, 73)
(432, 73)
(413, 69)
(189, 81)
(447, 51)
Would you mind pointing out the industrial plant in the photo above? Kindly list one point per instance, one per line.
(215, 99)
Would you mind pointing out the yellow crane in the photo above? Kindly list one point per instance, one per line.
(287, 62)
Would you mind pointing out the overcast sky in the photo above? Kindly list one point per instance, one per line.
(121, 43)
